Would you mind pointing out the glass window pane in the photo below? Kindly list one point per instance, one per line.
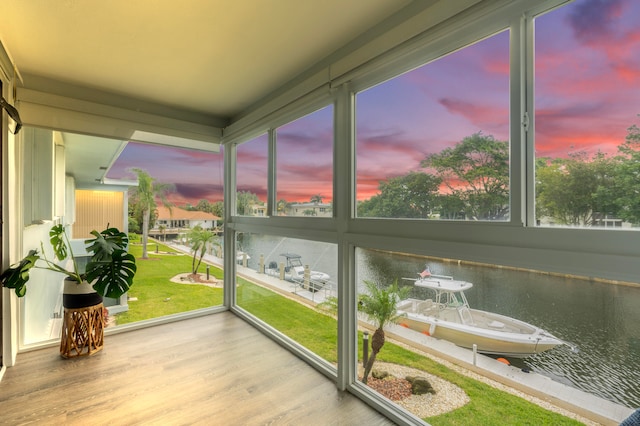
(281, 280)
(433, 143)
(587, 97)
(305, 166)
(595, 322)
(252, 160)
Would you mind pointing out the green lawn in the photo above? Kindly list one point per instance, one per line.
(317, 332)
(157, 295)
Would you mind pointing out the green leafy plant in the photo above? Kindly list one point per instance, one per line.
(200, 239)
(380, 305)
(111, 269)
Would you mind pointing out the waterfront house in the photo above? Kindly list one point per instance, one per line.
(176, 220)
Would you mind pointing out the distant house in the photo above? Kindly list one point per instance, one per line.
(310, 209)
(177, 218)
(258, 210)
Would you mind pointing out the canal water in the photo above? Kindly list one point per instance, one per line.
(601, 320)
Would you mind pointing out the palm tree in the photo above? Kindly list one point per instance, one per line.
(145, 195)
(282, 206)
(380, 305)
(316, 199)
(200, 238)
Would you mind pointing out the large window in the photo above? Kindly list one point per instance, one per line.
(304, 183)
(587, 101)
(449, 144)
(434, 143)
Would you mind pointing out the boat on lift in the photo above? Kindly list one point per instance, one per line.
(294, 271)
(446, 315)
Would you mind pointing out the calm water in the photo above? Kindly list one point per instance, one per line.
(602, 320)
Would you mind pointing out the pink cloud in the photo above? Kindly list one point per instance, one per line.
(483, 115)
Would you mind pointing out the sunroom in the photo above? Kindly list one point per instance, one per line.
(362, 108)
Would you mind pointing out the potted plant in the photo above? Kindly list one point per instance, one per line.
(109, 273)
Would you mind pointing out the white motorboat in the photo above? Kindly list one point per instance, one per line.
(448, 316)
(294, 271)
(242, 257)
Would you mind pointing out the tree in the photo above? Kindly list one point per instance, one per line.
(200, 239)
(410, 196)
(282, 206)
(217, 209)
(144, 197)
(476, 171)
(578, 190)
(317, 198)
(628, 177)
(245, 200)
(450, 207)
(380, 305)
(134, 225)
(203, 206)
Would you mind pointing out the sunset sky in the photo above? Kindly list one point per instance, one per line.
(587, 95)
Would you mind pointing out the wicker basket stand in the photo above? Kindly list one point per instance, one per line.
(82, 331)
(83, 321)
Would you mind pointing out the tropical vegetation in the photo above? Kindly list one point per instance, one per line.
(200, 240)
(142, 202)
(379, 304)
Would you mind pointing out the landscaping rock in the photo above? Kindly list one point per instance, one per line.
(420, 385)
(379, 374)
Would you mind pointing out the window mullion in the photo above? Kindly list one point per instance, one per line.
(528, 131)
(271, 175)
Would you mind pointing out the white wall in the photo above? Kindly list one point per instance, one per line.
(44, 291)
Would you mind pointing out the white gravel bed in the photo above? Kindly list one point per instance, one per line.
(447, 398)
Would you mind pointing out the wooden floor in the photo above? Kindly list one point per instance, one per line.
(212, 370)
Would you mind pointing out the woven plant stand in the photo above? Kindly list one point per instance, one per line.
(82, 331)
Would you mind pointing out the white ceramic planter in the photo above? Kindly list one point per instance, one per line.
(81, 295)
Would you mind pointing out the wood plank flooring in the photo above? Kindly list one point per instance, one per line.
(212, 370)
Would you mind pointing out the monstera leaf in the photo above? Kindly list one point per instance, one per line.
(105, 243)
(110, 266)
(57, 239)
(17, 276)
(113, 277)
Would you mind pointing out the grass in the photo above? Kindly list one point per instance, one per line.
(156, 295)
(313, 330)
(318, 332)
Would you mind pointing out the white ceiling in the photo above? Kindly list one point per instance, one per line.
(215, 57)
(88, 158)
